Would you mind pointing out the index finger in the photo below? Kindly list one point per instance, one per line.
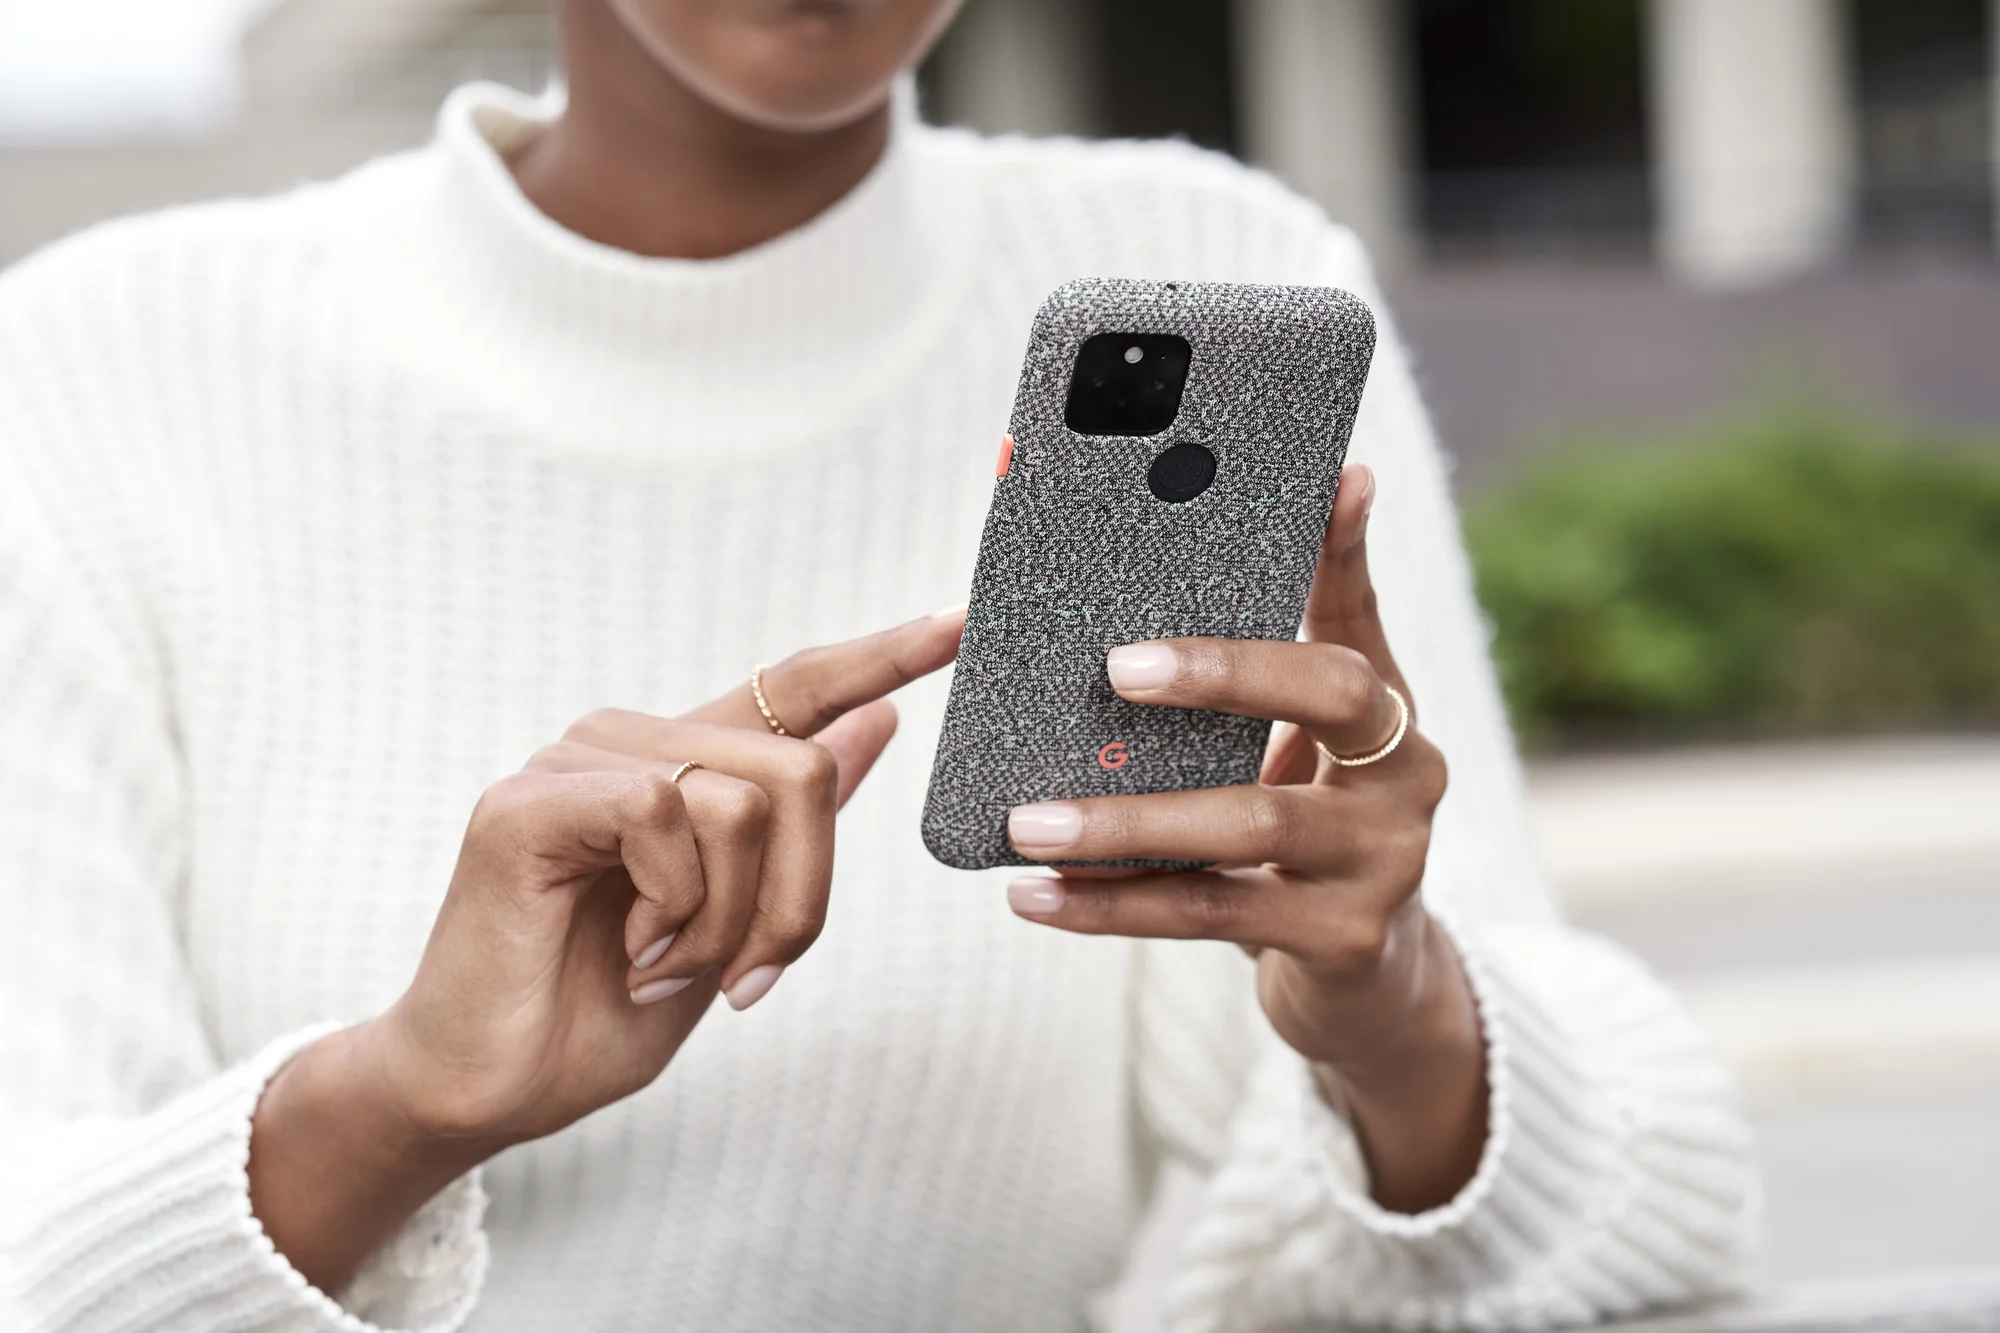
(1332, 691)
(810, 689)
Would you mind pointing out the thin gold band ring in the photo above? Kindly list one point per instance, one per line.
(681, 772)
(1388, 747)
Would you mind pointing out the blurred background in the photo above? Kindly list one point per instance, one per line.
(1704, 294)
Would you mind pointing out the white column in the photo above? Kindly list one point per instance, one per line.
(1019, 66)
(1753, 136)
(1322, 100)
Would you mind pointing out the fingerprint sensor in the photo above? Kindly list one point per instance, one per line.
(1181, 473)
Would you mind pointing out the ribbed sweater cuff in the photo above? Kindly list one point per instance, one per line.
(1615, 1175)
(156, 1233)
(1542, 1151)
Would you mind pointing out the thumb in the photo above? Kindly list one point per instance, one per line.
(857, 740)
(1341, 607)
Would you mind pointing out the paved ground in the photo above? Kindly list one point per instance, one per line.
(1880, 1184)
(1832, 913)
(1874, 1085)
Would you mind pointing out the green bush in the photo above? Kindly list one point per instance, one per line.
(1784, 573)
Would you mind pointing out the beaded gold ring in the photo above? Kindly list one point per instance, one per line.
(763, 704)
(1388, 747)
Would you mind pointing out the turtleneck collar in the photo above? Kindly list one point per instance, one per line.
(611, 352)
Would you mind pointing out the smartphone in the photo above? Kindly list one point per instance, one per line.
(1168, 472)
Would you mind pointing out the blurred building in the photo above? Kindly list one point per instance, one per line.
(1741, 140)
(1590, 210)
(1622, 213)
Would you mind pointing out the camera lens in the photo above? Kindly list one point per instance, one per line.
(1134, 355)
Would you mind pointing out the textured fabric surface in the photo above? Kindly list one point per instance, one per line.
(319, 514)
(1079, 556)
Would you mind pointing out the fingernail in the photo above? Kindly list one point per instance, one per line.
(654, 991)
(1364, 479)
(946, 613)
(653, 952)
(1037, 895)
(1367, 495)
(1050, 825)
(753, 986)
(1141, 666)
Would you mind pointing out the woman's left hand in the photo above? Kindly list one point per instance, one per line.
(1316, 867)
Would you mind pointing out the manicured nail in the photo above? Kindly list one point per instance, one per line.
(1036, 895)
(654, 991)
(1362, 479)
(653, 952)
(753, 986)
(1141, 666)
(947, 613)
(1052, 825)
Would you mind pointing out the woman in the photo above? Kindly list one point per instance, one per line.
(322, 511)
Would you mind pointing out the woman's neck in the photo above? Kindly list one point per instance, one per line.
(641, 162)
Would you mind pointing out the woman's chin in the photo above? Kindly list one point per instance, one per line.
(782, 109)
(789, 66)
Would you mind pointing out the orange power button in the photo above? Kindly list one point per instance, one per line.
(1006, 456)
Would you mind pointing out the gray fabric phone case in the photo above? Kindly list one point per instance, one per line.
(1079, 555)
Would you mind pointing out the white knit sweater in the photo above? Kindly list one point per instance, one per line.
(319, 513)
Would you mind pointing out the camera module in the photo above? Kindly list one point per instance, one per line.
(1127, 383)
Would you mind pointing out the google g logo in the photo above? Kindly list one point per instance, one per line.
(1113, 756)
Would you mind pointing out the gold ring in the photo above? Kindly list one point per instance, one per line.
(1388, 747)
(763, 704)
(681, 772)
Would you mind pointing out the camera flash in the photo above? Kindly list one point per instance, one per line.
(1133, 355)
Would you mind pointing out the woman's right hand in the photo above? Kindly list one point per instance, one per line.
(596, 909)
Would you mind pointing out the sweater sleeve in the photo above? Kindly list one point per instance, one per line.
(124, 1139)
(1616, 1174)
